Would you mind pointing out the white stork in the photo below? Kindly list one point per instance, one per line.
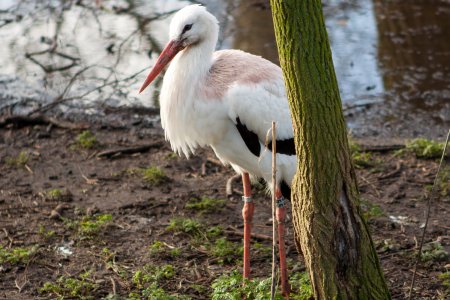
(227, 100)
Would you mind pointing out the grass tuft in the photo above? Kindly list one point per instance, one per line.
(262, 249)
(301, 285)
(230, 286)
(89, 226)
(148, 279)
(214, 232)
(18, 161)
(46, 234)
(86, 140)
(54, 194)
(370, 210)
(17, 255)
(191, 227)
(445, 277)
(81, 287)
(161, 248)
(233, 286)
(434, 251)
(424, 148)
(157, 247)
(58, 195)
(360, 159)
(225, 250)
(153, 175)
(205, 204)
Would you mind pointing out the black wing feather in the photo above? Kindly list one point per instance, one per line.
(284, 146)
(250, 138)
(253, 144)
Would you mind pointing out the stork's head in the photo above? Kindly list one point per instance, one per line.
(190, 27)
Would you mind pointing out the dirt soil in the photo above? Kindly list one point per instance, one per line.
(55, 203)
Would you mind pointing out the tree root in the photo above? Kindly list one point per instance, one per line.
(129, 150)
(256, 236)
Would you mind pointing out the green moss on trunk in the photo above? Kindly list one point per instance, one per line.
(329, 229)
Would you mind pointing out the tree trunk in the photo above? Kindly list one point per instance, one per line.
(330, 231)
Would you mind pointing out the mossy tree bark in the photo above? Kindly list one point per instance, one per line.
(330, 231)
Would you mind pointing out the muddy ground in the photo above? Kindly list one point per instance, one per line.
(78, 226)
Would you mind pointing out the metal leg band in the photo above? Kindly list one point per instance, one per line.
(281, 202)
(247, 199)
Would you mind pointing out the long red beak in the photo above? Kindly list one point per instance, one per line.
(169, 52)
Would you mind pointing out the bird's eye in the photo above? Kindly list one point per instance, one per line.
(187, 27)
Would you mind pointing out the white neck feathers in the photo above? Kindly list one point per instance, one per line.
(179, 93)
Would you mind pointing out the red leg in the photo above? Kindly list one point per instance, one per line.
(281, 216)
(247, 214)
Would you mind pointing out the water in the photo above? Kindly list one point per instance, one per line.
(392, 59)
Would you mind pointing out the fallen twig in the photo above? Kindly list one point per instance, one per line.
(28, 169)
(397, 170)
(113, 283)
(381, 148)
(129, 150)
(21, 286)
(56, 213)
(256, 236)
(371, 185)
(22, 121)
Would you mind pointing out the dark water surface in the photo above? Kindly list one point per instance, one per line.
(392, 58)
